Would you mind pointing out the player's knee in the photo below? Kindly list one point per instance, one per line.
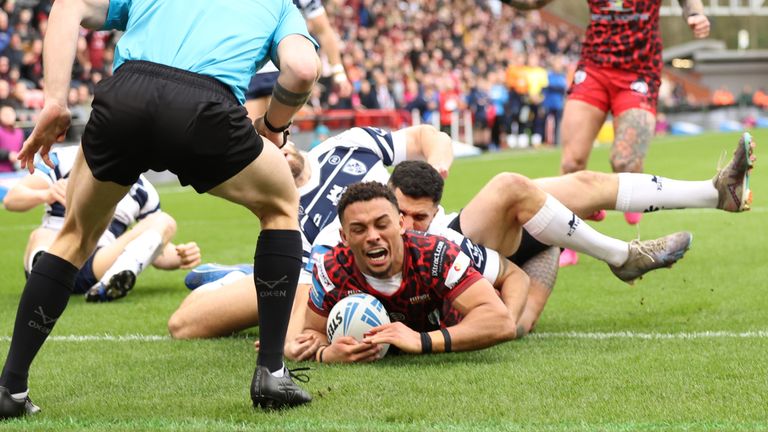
(181, 328)
(620, 165)
(590, 179)
(166, 225)
(572, 164)
(512, 186)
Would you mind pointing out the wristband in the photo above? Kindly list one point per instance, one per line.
(446, 340)
(426, 343)
(320, 352)
(284, 130)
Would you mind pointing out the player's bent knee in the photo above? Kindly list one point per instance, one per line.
(167, 225)
(513, 187)
(181, 328)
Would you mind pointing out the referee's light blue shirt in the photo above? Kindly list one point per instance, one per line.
(225, 39)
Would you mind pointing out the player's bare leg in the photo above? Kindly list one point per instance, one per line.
(277, 262)
(581, 123)
(40, 239)
(90, 205)
(634, 130)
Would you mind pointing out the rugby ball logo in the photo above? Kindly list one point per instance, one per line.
(356, 315)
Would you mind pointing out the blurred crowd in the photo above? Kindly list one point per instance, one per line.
(434, 58)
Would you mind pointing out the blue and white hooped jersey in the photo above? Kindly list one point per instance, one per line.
(356, 155)
(141, 201)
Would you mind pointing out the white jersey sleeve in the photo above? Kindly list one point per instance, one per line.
(484, 260)
(140, 201)
(389, 146)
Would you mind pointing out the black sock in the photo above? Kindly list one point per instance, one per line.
(276, 268)
(44, 299)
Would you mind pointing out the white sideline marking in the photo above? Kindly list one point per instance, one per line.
(755, 334)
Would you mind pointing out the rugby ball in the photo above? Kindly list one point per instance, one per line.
(356, 315)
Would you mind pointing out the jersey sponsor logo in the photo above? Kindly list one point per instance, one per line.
(317, 294)
(476, 252)
(322, 276)
(458, 270)
(334, 160)
(579, 77)
(396, 316)
(354, 167)
(424, 298)
(639, 86)
(334, 195)
(573, 224)
(437, 260)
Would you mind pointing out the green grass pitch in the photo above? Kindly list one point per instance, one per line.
(684, 349)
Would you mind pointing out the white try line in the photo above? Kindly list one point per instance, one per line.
(754, 334)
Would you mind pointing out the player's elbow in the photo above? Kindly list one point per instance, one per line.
(304, 73)
(504, 324)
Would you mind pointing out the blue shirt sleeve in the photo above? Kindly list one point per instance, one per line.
(291, 22)
(117, 15)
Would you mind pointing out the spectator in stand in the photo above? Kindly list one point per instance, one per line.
(723, 97)
(5, 31)
(11, 139)
(554, 99)
(536, 76)
(760, 98)
(499, 95)
(368, 97)
(480, 105)
(32, 63)
(517, 84)
(745, 97)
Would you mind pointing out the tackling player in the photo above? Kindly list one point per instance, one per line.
(419, 189)
(121, 253)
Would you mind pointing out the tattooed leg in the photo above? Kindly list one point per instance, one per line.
(634, 130)
(542, 272)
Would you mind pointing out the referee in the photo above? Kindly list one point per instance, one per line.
(175, 102)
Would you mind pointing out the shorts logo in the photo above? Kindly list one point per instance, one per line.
(334, 160)
(639, 86)
(579, 77)
(354, 167)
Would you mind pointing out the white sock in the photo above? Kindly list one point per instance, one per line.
(220, 282)
(555, 225)
(646, 193)
(20, 396)
(137, 255)
(280, 372)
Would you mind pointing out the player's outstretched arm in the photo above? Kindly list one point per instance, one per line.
(181, 256)
(486, 322)
(527, 4)
(320, 26)
(31, 191)
(424, 142)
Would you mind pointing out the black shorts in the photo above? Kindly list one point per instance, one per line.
(261, 85)
(529, 246)
(85, 278)
(151, 116)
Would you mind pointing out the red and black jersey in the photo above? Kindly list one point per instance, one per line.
(435, 270)
(624, 35)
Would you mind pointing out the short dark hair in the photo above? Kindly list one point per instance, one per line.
(365, 191)
(417, 179)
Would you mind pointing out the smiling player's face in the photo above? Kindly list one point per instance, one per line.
(373, 231)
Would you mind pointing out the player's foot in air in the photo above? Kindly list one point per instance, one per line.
(633, 218)
(207, 273)
(568, 257)
(271, 392)
(117, 287)
(11, 407)
(732, 182)
(647, 255)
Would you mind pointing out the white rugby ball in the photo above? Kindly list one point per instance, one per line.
(356, 315)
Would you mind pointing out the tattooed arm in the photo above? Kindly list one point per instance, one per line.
(527, 4)
(542, 271)
(693, 14)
